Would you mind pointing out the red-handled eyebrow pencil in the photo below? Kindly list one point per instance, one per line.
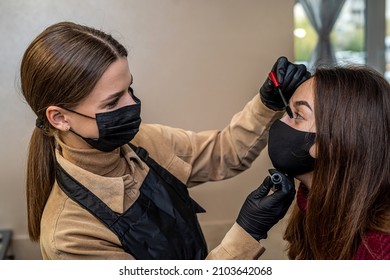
(276, 83)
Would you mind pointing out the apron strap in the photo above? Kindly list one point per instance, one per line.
(80, 194)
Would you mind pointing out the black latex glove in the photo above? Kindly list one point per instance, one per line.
(290, 76)
(260, 212)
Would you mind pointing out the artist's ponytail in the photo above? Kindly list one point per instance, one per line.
(40, 178)
(60, 67)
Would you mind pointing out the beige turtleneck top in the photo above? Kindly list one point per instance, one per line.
(122, 163)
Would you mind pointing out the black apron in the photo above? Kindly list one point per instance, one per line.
(162, 222)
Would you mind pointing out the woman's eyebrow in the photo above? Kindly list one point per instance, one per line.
(304, 103)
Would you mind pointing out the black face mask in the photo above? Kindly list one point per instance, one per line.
(116, 128)
(288, 149)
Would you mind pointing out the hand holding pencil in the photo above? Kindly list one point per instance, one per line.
(281, 83)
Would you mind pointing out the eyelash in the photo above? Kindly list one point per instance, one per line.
(116, 100)
(113, 103)
(298, 117)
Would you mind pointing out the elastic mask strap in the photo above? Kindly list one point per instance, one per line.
(82, 137)
(74, 132)
(78, 113)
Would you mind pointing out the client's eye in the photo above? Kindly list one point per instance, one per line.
(298, 116)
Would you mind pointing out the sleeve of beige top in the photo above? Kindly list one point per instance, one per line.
(237, 245)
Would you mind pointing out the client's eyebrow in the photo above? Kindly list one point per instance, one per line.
(302, 103)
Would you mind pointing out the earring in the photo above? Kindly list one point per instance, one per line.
(67, 128)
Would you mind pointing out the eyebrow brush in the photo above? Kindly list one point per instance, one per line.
(276, 83)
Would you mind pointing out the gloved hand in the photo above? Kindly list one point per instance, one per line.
(260, 212)
(290, 76)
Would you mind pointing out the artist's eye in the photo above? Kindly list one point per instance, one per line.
(113, 103)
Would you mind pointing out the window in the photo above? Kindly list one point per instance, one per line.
(387, 41)
(347, 35)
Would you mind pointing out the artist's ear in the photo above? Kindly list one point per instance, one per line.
(57, 118)
(313, 150)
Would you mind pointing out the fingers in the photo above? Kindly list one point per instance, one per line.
(264, 188)
(295, 75)
(290, 75)
(307, 75)
(280, 68)
(301, 75)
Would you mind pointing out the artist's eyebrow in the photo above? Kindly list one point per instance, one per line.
(113, 96)
(302, 103)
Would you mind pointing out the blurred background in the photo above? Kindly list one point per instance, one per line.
(195, 64)
(343, 31)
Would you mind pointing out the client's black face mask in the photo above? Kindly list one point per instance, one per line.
(116, 128)
(288, 149)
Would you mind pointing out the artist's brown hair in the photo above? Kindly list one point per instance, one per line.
(350, 192)
(60, 67)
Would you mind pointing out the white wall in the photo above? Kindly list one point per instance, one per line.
(195, 63)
